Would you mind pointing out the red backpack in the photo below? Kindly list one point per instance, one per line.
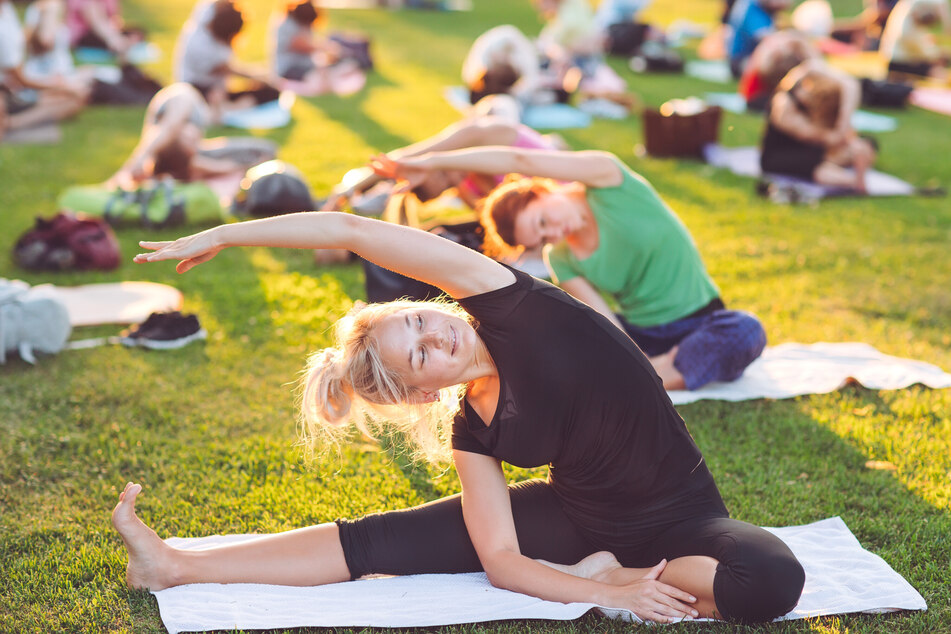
(68, 241)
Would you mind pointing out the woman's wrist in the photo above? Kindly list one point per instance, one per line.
(605, 595)
(222, 235)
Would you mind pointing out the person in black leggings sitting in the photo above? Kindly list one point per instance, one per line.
(809, 130)
(630, 516)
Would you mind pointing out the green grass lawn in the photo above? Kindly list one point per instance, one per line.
(209, 429)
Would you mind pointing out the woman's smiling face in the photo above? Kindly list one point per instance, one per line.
(548, 219)
(430, 348)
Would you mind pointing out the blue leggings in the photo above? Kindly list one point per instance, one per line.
(757, 579)
(715, 345)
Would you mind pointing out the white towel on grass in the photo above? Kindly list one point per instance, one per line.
(745, 161)
(841, 577)
(794, 369)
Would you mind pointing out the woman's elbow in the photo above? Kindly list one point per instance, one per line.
(495, 570)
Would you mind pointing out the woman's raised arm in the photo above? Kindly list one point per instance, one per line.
(590, 167)
(423, 256)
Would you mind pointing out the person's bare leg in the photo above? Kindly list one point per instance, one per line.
(668, 373)
(303, 557)
(50, 108)
(829, 173)
(693, 574)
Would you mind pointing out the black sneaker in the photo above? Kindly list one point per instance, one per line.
(131, 336)
(164, 331)
(173, 332)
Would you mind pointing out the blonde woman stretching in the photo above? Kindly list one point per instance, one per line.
(630, 516)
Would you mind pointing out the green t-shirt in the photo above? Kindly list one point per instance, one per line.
(646, 258)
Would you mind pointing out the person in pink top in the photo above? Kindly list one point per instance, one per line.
(481, 129)
(98, 24)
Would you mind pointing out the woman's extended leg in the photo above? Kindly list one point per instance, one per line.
(303, 557)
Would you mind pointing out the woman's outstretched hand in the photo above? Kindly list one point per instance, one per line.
(652, 600)
(190, 250)
(412, 169)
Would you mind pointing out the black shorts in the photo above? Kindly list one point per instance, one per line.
(922, 69)
(260, 93)
(784, 154)
(757, 579)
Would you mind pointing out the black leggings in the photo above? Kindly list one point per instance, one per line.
(757, 579)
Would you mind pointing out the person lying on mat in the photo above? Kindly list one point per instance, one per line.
(612, 234)
(172, 135)
(630, 516)
(204, 57)
(809, 130)
(494, 121)
(908, 44)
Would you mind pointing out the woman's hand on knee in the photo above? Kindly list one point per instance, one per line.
(653, 600)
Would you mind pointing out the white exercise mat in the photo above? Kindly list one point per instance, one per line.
(841, 577)
(745, 161)
(794, 369)
(116, 303)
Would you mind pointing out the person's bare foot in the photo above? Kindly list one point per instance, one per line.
(597, 566)
(668, 373)
(149, 557)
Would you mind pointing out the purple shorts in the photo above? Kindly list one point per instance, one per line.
(715, 344)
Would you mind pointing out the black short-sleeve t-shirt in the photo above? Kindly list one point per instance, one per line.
(577, 394)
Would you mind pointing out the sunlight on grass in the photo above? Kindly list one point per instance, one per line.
(910, 429)
(309, 301)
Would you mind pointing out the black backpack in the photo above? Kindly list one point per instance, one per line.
(271, 189)
(885, 94)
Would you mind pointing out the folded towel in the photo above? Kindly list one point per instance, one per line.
(841, 577)
(793, 369)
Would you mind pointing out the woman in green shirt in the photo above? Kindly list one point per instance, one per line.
(611, 234)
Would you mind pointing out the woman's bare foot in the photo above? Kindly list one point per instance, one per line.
(150, 558)
(597, 567)
(668, 373)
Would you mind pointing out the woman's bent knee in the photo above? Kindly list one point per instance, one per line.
(759, 591)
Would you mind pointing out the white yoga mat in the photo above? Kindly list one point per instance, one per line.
(841, 577)
(794, 369)
(716, 71)
(744, 161)
(116, 303)
(265, 116)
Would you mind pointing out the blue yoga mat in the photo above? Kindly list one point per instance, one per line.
(266, 116)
